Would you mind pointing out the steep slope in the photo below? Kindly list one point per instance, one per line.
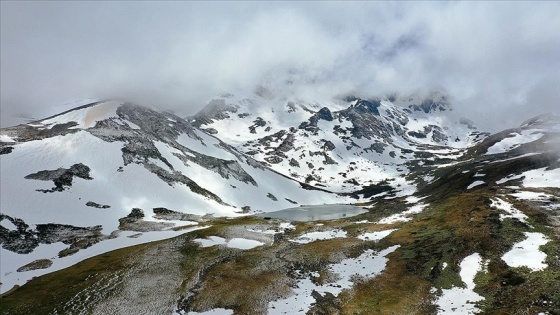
(77, 177)
(343, 145)
(481, 233)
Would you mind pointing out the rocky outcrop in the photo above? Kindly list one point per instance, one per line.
(215, 110)
(134, 221)
(96, 205)
(62, 177)
(36, 264)
(24, 240)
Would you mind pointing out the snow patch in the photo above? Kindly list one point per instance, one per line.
(542, 177)
(324, 235)
(508, 178)
(6, 138)
(239, 243)
(530, 195)
(8, 224)
(475, 183)
(461, 300)
(508, 207)
(526, 253)
(243, 243)
(515, 140)
(403, 216)
(375, 236)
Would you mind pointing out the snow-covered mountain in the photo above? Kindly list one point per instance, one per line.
(83, 171)
(111, 174)
(345, 145)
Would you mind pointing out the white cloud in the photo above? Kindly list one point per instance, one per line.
(498, 60)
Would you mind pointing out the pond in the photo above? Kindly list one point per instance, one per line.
(315, 213)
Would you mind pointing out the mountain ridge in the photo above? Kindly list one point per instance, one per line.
(126, 174)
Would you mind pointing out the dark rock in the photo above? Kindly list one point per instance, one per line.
(294, 163)
(328, 160)
(6, 150)
(62, 177)
(273, 159)
(352, 181)
(415, 134)
(259, 122)
(287, 144)
(377, 147)
(96, 205)
(325, 114)
(438, 135)
(328, 145)
(271, 196)
(365, 106)
(430, 105)
(164, 211)
(364, 117)
(338, 130)
(24, 240)
(211, 131)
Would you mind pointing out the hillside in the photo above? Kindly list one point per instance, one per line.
(450, 219)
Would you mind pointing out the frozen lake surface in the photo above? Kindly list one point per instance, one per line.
(315, 212)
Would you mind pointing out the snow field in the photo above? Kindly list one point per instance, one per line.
(513, 141)
(527, 253)
(512, 212)
(461, 301)
(542, 177)
(403, 216)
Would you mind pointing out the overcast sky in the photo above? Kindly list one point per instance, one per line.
(498, 61)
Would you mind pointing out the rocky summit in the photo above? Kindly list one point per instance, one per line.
(269, 205)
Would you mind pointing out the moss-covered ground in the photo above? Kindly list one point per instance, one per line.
(453, 226)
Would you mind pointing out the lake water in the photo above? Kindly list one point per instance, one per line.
(315, 213)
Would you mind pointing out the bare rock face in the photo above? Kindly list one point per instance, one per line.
(216, 109)
(36, 264)
(6, 150)
(23, 239)
(134, 221)
(430, 105)
(62, 177)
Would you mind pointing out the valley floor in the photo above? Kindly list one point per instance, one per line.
(478, 251)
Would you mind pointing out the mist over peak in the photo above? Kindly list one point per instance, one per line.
(496, 61)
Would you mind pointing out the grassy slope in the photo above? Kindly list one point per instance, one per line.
(49, 293)
(457, 224)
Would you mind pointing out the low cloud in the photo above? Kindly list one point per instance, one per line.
(498, 61)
